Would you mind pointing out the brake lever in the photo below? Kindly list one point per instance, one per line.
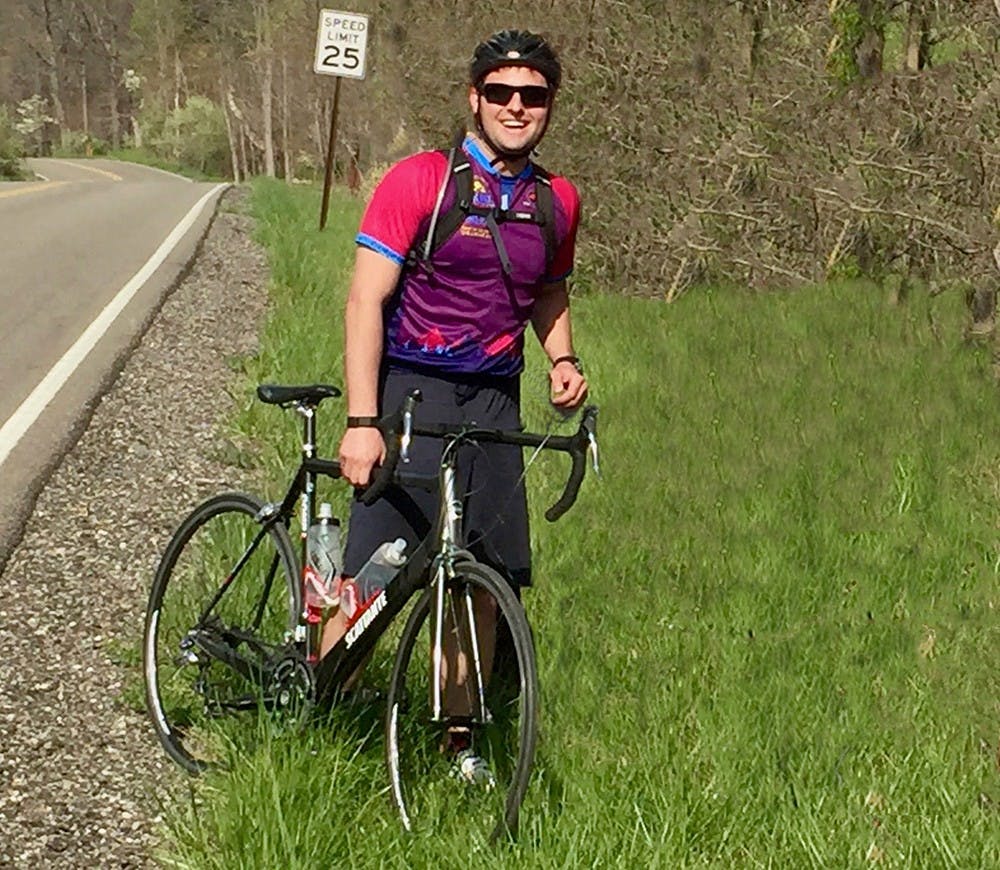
(409, 403)
(592, 449)
(590, 426)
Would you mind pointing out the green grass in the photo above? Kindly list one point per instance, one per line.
(767, 637)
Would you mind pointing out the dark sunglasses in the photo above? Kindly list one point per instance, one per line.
(532, 96)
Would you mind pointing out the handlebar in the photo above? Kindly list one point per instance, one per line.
(399, 428)
(397, 431)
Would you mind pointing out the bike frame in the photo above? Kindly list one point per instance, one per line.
(439, 556)
(440, 549)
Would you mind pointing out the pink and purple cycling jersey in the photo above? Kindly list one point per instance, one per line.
(465, 314)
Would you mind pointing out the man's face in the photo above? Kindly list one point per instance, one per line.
(513, 118)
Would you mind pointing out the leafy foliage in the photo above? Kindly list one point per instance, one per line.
(194, 134)
(11, 148)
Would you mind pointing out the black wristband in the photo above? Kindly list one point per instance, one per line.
(575, 360)
(362, 422)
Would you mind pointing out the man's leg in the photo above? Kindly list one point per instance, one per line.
(459, 680)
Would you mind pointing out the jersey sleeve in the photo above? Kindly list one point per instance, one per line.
(568, 203)
(402, 200)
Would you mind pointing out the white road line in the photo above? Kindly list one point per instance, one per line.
(31, 408)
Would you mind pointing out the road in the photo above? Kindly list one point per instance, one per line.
(76, 289)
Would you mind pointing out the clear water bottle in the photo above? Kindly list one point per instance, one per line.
(377, 573)
(324, 561)
(321, 574)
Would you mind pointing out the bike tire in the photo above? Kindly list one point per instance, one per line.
(421, 785)
(187, 700)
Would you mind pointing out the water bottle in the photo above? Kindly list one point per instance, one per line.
(323, 559)
(377, 573)
(321, 574)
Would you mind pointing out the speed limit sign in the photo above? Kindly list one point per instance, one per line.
(340, 44)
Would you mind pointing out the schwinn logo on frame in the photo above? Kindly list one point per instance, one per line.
(366, 619)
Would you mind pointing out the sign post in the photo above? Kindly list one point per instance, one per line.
(341, 48)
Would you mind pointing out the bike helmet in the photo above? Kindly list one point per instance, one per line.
(515, 48)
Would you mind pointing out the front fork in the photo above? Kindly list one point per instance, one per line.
(461, 599)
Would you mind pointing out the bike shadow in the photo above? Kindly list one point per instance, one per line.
(357, 716)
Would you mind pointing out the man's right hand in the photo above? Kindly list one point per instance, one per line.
(361, 450)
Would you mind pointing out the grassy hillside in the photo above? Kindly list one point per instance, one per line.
(769, 634)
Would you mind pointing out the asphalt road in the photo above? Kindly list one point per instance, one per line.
(70, 243)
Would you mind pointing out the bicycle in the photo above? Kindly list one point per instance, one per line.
(225, 634)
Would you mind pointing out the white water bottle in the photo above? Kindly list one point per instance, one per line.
(377, 573)
(324, 561)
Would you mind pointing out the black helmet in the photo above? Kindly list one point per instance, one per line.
(515, 48)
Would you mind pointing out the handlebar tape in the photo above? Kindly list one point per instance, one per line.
(572, 489)
(384, 476)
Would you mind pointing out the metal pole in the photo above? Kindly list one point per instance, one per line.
(328, 175)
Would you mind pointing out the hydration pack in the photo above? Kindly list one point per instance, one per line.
(444, 225)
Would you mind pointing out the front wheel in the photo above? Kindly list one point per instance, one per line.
(463, 751)
(222, 610)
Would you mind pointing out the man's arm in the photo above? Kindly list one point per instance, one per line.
(375, 279)
(551, 323)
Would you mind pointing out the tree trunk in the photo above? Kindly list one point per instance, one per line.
(753, 15)
(52, 61)
(318, 117)
(871, 46)
(177, 78)
(116, 128)
(230, 134)
(286, 149)
(265, 51)
(353, 169)
(918, 37)
(243, 151)
(266, 110)
(161, 66)
(83, 98)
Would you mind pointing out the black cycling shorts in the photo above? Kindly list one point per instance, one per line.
(489, 476)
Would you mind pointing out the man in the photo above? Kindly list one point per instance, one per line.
(448, 315)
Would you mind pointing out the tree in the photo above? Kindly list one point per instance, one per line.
(918, 42)
(859, 38)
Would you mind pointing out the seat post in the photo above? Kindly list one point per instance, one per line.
(307, 505)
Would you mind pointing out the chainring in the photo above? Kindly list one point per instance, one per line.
(292, 689)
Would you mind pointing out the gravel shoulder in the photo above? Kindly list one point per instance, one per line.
(81, 772)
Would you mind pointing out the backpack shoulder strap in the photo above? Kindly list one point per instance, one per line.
(443, 225)
(546, 211)
(447, 224)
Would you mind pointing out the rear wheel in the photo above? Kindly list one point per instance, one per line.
(495, 697)
(222, 610)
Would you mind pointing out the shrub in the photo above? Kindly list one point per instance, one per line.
(11, 148)
(193, 135)
(76, 143)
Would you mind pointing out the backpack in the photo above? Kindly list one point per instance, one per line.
(443, 226)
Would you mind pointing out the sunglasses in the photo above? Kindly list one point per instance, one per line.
(532, 96)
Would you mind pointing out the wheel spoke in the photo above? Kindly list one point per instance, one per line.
(194, 704)
(436, 777)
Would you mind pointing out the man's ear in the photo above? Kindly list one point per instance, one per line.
(474, 99)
